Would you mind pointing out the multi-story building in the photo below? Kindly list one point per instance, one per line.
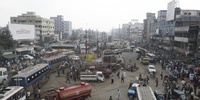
(68, 28)
(186, 37)
(44, 28)
(126, 31)
(58, 22)
(162, 30)
(150, 18)
(63, 28)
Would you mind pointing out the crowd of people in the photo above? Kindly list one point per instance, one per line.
(178, 70)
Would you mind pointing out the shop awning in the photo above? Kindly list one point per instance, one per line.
(10, 56)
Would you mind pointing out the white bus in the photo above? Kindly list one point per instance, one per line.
(145, 93)
(13, 93)
(152, 57)
(3, 75)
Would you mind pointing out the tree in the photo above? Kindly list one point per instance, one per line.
(6, 40)
(74, 35)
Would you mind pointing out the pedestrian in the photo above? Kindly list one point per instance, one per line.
(156, 82)
(118, 94)
(58, 72)
(67, 78)
(110, 98)
(124, 74)
(63, 69)
(147, 79)
(140, 76)
(130, 84)
(195, 88)
(118, 74)
(74, 76)
(161, 75)
(39, 95)
(112, 79)
(28, 94)
(122, 78)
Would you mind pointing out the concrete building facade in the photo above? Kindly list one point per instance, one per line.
(44, 27)
(186, 37)
(150, 18)
(63, 28)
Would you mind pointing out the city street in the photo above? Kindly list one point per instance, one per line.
(103, 90)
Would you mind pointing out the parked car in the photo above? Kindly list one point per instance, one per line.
(178, 95)
(159, 95)
(75, 58)
(151, 68)
(28, 57)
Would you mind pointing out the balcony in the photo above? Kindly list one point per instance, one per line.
(181, 39)
(182, 29)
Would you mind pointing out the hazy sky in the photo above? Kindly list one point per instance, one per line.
(102, 15)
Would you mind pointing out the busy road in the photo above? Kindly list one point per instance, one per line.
(103, 90)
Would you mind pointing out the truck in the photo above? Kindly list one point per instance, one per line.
(112, 62)
(3, 76)
(77, 91)
(92, 76)
(106, 71)
(145, 93)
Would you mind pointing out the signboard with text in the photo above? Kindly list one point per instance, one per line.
(22, 32)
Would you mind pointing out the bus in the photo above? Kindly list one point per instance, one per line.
(152, 57)
(145, 93)
(108, 52)
(55, 62)
(13, 93)
(31, 78)
(3, 76)
(142, 51)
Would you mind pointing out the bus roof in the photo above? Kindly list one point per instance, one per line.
(54, 57)
(9, 91)
(150, 54)
(145, 93)
(1, 68)
(30, 70)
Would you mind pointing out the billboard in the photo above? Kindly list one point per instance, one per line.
(171, 9)
(22, 32)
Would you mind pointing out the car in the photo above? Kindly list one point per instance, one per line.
(145, 60)
(137, 50)
(178, 95)
(75, 58)
(132, 89)
(151, 68)
(28, 57)
(159, 95)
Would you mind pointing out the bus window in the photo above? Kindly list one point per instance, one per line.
(5, 73)
(1, 74)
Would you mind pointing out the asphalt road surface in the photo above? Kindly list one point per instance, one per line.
(103, 90)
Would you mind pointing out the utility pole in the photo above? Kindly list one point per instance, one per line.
(111, 36)
(97, 43)
(119, 32)
(86, 43)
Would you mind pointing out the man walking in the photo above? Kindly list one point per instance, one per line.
(112, 79)
(156, 82)
(118, 94)
(122, 78)
(161, 75)
(67, 78)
